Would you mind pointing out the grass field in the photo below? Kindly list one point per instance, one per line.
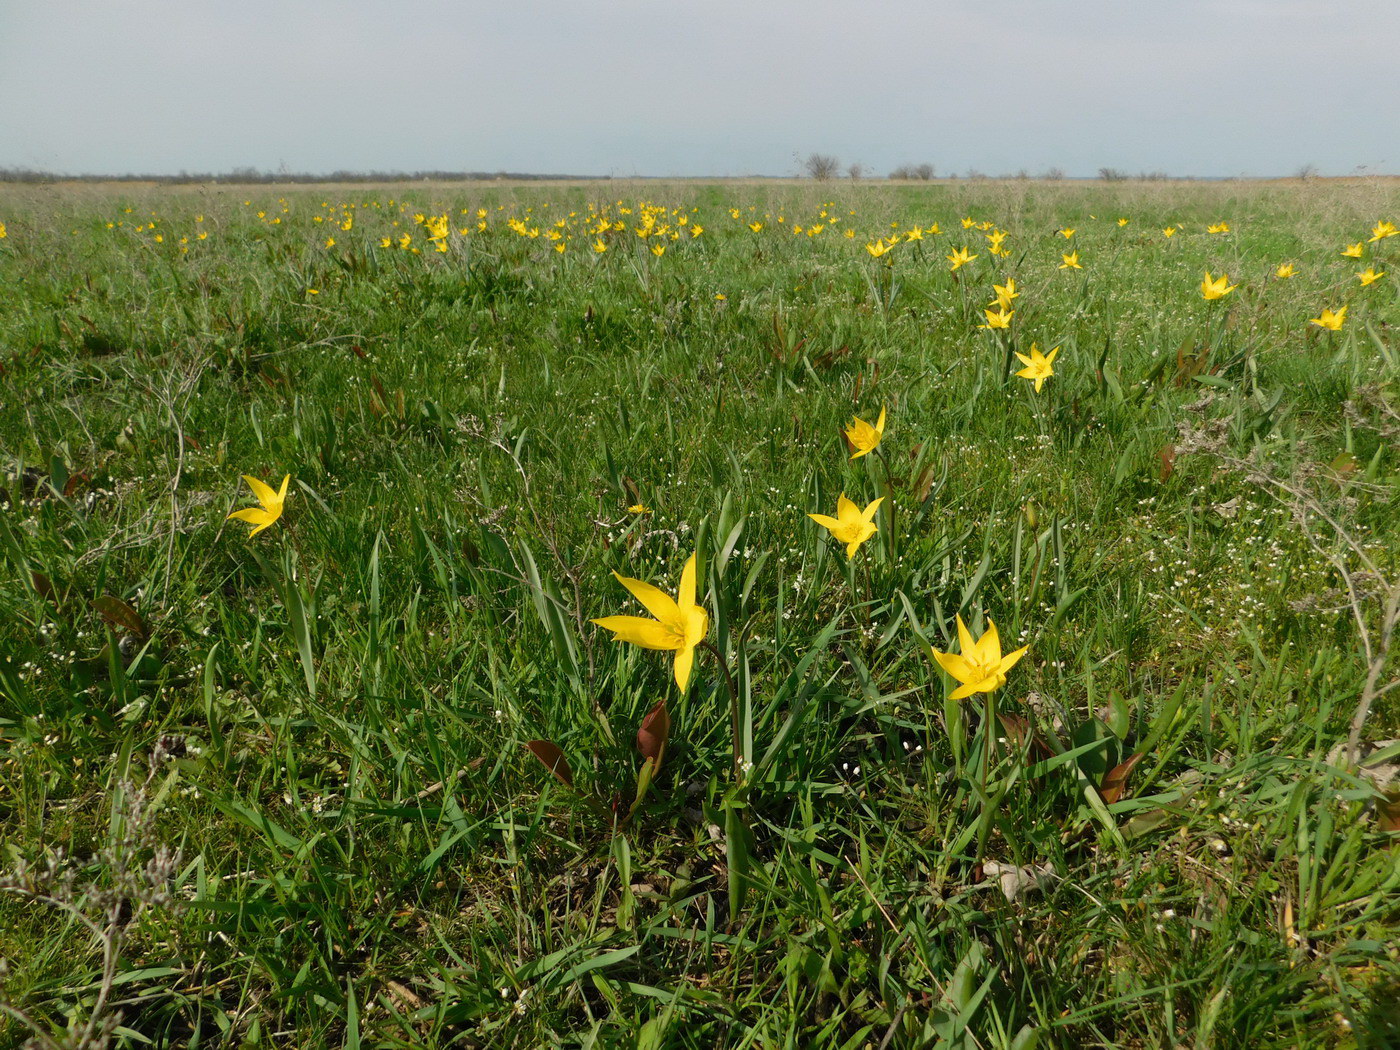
(294, 789)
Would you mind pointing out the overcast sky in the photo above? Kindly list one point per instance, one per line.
(710, 87)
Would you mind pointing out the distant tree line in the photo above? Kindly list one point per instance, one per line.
(919, 172)
(254, 176)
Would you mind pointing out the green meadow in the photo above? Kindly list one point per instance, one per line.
(372, 777)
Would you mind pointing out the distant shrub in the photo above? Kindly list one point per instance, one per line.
(821, 166)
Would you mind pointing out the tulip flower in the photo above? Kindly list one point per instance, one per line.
(272, 503)
(1006, 292)
(998, 318)
(1379, 231)
(1219, 227)
(959, 257)
(1352, 251)
(1369, 276)
(1329, 320)
(979, 667)
(1216, 288)
(851, 526)
(1286, 270)
(1071, 261)
(680, 624)
(1038, 366)
(863, 437)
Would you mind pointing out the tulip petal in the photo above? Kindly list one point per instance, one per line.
(656, 601)
(264, 494)
(282, 492)
(868, 514)
(956, 665)
(989, 646)
(846, 510)
(825, 521)
(685, 659)
(685, 597)
(966, 645)
(697, 625)
(255, 516)
(1010, 659)
(638, 630)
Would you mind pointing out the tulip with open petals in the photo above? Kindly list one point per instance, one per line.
(1038, 366)
(272, 503)
(851, 526)
(979, 667)
(680, 624)
(1218, 287)
(863, 437)
(1332, 321)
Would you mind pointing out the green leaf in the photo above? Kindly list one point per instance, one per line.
(301, 633)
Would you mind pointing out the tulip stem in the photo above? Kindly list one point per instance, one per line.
(737, 743)
(893, 543)
(988, 739)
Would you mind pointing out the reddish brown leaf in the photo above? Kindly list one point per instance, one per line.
(553, 760)
(1167, 459)
(43, 586)
(923, 485)
(1014, 726)
(74, 483)
(1116, 779)
(850, 449)
(653, 733)
(119, 615)
(1017, 728)
(1388, 812)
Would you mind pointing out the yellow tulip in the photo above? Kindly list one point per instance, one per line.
(1216, 288)
(851, 526)
(272, 503)
(959, 257)
(680, 623)
(998, 318)
(1330, 320)
(979, 666)
(1038, 366)
(863, 437)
